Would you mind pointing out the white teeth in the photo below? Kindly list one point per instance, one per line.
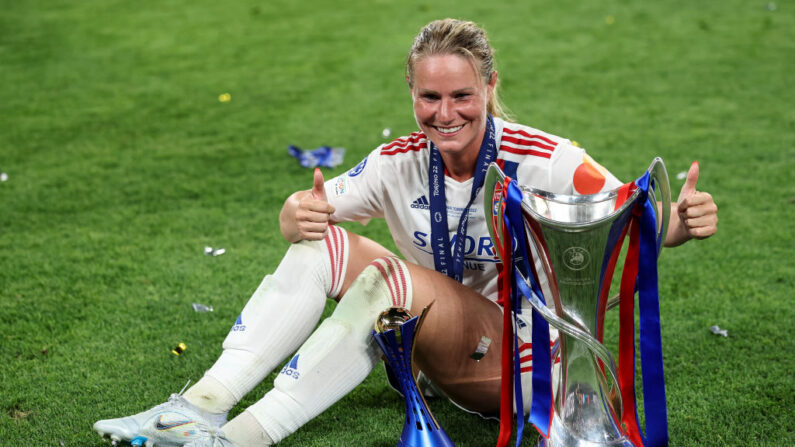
(449, 129)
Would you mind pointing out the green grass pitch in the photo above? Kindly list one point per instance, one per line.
(123, 164)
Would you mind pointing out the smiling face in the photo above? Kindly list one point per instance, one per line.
(450, 105)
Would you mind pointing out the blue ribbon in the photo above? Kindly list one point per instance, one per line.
(541, 404)
(652, 372)
(452, 264)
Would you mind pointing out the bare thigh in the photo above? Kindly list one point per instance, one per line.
(451, 332)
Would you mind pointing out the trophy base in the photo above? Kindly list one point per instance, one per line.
(418, 438)
(560, 436)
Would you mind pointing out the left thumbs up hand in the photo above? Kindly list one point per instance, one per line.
(696, 210)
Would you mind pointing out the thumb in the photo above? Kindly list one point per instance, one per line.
(690, 183)
(318, 190)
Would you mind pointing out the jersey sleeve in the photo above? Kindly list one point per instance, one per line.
(358, 194)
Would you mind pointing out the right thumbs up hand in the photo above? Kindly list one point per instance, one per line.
(313, 211)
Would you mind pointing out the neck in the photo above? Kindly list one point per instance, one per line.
(461, 167)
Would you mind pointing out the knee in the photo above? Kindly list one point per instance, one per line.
(389, 277)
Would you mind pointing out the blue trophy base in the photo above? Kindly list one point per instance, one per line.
(420, 428)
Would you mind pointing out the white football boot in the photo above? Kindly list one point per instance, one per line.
(211, 438)
(171, 424)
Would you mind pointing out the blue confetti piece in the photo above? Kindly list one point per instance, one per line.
(324, 156)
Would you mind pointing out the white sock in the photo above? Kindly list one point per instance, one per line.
(210, 395)
(278, 317)
(245, 431)
(338, 356)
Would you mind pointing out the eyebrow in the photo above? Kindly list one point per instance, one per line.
(425, 91)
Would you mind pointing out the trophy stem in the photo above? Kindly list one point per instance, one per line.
(420, 428)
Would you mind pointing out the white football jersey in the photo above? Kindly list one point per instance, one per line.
(392, 183)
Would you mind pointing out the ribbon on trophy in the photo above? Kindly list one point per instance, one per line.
(640, 273)
(517, 261)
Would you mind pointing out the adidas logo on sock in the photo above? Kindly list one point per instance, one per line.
(421, 203)
(291, 369)
(239, 326)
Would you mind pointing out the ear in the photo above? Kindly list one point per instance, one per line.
(493, 80)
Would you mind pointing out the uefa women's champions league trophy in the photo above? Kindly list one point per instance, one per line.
(395, 332)
(577, 240)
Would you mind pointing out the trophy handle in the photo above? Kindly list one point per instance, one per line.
(659, 177)
(494, 176)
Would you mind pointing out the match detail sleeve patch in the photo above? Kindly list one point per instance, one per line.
(589, 177)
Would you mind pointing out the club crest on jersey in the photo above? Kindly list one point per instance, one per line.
(291, 369)
(358, 168)
(421, 203)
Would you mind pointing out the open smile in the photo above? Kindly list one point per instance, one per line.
(448, 130)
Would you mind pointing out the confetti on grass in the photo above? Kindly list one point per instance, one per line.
(324, 156)
(202, 308)
(718, 331)
(209, 251)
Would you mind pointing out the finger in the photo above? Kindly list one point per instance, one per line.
(703, 221)
(705, 209)
(318, 206)
(306, 215)
(307, 227)
(697, 199)
(703, 232)
(313, 236)
(689, 188)
(318, 190)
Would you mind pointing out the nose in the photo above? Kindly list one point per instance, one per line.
(446, 113)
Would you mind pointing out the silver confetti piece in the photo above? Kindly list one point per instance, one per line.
(209, 251)
(718, 331)
(202, 308)
(386, 132)
(3, 177)
(682, 175)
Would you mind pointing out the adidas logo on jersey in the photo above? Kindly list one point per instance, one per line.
(239, 326)
(291, 369)
(421, 203)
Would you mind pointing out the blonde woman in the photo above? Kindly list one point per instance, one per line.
(427, 186)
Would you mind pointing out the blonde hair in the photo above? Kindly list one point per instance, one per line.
(466, 39)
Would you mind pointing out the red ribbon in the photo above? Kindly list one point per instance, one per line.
(626, 335)
(506, 384)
